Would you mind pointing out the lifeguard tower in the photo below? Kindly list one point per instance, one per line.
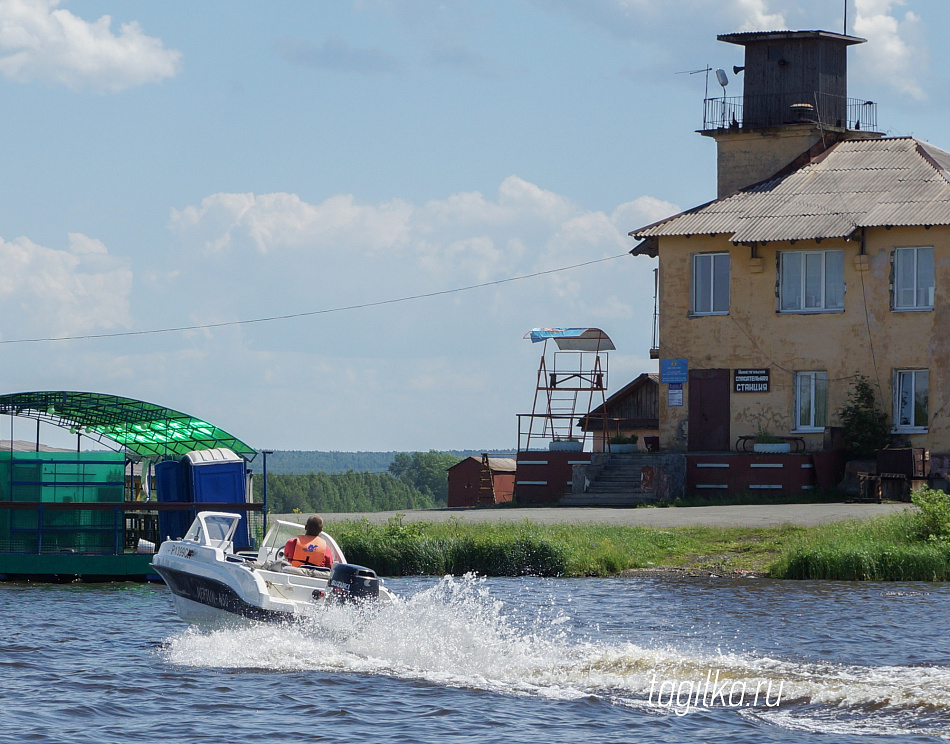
(571, 383)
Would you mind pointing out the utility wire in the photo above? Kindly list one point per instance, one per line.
(310, 313)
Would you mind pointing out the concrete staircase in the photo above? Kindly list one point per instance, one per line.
(616, 483)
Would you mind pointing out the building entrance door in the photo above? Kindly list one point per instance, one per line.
(708, 410)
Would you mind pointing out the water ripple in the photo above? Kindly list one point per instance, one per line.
(466, 659)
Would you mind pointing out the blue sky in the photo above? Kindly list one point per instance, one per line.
(179, 164)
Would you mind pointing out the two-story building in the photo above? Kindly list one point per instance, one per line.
(825, 256)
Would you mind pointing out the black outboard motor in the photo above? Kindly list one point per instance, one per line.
(351, 583)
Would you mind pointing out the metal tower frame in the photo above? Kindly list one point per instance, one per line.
(568, 388)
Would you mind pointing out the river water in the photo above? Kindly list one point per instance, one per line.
(470, 660)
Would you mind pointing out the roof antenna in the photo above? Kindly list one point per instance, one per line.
(845, 17)
(707, 69)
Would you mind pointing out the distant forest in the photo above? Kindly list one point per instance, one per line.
(340, 492)
(300, 462)
(388, 481)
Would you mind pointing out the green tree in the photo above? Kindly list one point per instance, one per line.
(426, 472)
(865, 426)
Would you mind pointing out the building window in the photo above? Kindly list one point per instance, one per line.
(710, 284)
(912, 399)
(811, 281)
(913, 278)
(811, 401)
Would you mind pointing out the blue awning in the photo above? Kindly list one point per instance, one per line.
(573, 339)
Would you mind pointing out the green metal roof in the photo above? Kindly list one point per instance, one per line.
(145, 429)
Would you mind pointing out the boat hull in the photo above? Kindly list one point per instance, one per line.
(201, 599)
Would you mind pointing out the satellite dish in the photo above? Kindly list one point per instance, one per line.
(722, 77)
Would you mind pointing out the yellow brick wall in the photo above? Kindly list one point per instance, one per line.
(755, 335)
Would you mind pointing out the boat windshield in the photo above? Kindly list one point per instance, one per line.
(279, 533)
(214, 529)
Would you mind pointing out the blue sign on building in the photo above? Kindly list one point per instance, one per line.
(674, 370)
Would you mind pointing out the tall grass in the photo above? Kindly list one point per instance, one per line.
(405, 549)
(529, 549)
(910, 546)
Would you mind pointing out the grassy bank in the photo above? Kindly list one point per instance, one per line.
(910, 546)
(529, 549)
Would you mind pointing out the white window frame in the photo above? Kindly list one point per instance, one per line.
(909, 380)
(802, 256)
(897, 278)
(713, 259)
(817, 384)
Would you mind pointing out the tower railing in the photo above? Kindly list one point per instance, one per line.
(752, 112)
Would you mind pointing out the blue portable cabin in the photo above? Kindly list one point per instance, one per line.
(171, 487)
(211, 476)
(218, 476)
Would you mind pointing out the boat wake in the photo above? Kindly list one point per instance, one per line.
(456, 634)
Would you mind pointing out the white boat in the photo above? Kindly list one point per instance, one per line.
(211, 583)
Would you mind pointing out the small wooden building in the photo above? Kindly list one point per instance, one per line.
(634, 409)
(481, 482)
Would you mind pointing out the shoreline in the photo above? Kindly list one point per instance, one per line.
(575, 548)
(690, 572)
(797, 541)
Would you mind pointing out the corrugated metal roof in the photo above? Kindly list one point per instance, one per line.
(854, 184)
(802, 226)
(908, 213)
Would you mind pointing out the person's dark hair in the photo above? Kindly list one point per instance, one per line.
(315, 525)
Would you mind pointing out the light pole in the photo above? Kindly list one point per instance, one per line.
(265, 453)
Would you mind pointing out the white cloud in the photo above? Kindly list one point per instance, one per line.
(894, 53)
(39, 41)
(642, 211)
(460, 239)
(50, 292)
(755, 16)
(83, 244)
(405, 365)
(269, 222)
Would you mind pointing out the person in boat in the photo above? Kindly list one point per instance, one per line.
(309, 550)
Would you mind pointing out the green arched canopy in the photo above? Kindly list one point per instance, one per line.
(144, 429)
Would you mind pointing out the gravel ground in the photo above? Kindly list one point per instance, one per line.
(806, 515)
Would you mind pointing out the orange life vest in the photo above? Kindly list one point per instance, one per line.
(310, 550)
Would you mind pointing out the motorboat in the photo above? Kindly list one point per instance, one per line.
(211, 583)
